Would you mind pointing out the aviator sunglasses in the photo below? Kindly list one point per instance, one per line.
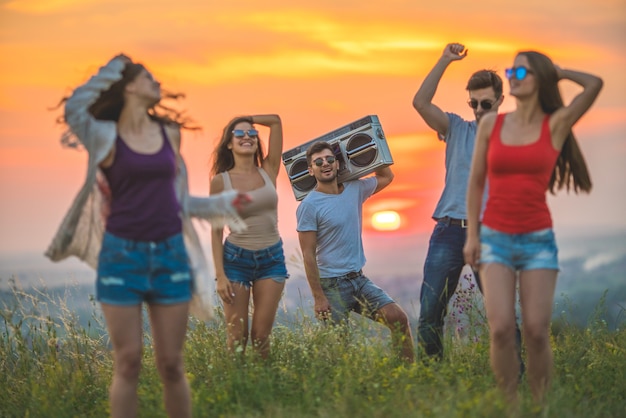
(319, 161)
(240, 133)
(485, 104)
(519, 72)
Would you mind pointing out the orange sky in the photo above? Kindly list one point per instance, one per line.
(319, 65)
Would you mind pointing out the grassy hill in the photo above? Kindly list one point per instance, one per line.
(55, 367)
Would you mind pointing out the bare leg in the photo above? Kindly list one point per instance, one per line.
(499, 296)
(236, 315)
(125, 330)
(537, 295)
(266, 294)
(397, 320)
(169, 327)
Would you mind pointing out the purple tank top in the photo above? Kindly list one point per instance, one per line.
(144, 206)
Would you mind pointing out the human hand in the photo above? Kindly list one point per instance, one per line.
(322, 309)
(125, 58)
(471, 252)
(241, 201)
(225, 289)
(455, 52)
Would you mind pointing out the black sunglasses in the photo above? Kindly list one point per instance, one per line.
(519, 72)
(485, 104)
(240, 133)
(320, 161)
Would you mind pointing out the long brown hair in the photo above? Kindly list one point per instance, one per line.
(571, 170)
(223, 159)
(110, 103)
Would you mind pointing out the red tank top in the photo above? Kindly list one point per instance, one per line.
(518, 179)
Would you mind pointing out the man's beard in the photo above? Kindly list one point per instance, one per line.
(328, 179)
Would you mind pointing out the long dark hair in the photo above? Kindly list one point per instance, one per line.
(223, 159)
(111, 102)
(571, 170)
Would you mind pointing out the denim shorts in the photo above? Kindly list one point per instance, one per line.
(132, 272)
(247, 266)
(357, 294)
(529, 251)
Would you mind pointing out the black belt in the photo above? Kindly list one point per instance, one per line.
(353, 275)
(347, 276)
(452, 221)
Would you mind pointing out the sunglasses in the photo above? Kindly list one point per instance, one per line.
(240, 133)
(320, 161)
(485, 104)
(519, 72)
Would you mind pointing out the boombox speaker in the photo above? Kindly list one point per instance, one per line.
(360, 147)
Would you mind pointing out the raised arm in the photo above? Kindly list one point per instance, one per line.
(422, 101)
(384, 177)
(563, 119)
(271, 163)
(92, 132)
(476, 188)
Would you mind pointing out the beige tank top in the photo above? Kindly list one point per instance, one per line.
(261, 216)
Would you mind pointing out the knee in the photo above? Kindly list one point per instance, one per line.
(395, 318)
(536, 335)
(170, 368)
(128, 363)
(259, 337)
(502, 333)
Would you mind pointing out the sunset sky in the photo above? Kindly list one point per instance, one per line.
(319, 65)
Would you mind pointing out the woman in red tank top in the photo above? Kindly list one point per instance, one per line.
(523, 154)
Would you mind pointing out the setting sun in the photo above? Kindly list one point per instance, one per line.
(387, 220)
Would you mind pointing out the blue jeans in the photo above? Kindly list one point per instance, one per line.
(248, 266)
(353, 292)
(131, 272)
(527, 251)
(442, 268)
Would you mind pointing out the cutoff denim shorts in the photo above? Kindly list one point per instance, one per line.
(248, 266)
(358, 294)
(131, 272)
(529, 251)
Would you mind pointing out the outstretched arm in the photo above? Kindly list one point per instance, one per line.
(422, 102)
(564, 118)
(271, 163)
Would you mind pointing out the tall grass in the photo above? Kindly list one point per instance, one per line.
(54, 368)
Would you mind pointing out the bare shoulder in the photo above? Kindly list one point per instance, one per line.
(217, 184)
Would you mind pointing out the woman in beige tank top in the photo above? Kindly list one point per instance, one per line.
(250, 262)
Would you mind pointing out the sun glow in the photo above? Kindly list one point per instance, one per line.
(386, 220)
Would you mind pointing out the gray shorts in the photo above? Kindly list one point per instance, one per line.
(353, 292)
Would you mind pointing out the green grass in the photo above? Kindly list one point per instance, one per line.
(53, 368)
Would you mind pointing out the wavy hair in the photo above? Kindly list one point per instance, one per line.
(571, 170)
(110, 103)
(223, 158)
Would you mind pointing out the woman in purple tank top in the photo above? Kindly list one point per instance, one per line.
(524, 153)
(252, 262)
(142, 242)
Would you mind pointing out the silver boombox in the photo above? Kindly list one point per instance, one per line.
(360, 147)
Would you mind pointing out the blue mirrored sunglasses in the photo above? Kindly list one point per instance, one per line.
(240, 133)
(519, 72)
